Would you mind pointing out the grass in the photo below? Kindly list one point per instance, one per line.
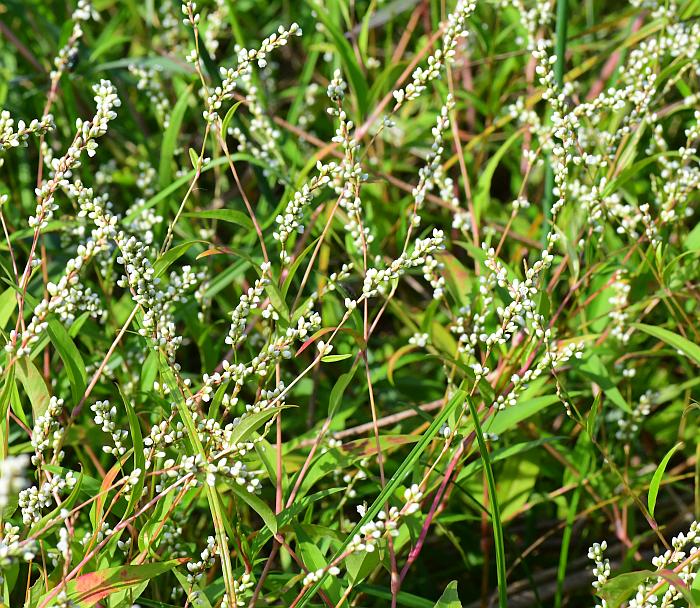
(346, 331)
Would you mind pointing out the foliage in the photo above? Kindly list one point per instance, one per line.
(349, 303)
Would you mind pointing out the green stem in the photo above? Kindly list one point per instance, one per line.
(212, 494)
(560, 42)
(560, 50)
(495, 510)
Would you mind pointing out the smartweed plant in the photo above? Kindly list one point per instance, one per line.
(328, 303)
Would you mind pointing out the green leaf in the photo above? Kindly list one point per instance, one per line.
(483, 187)
(695, 590)
(449, 597)
(407, 600)
(250, 422)
(596, 371)
(517, 479)
(194, 158)
(338, 391)
(314, 559)
(361, 565)
(169, 257)
(591, 419)
(167, 149)
(227, 119)
(73, 362)
(691, 350)
(8, 303)
(16, 405)
(277, 300)
(149, 372)
(224, 215)
(335, 358)
(34, 385)
(692, 240)
(6, 394)
(98, 507)
(257, 504)
(139, 456)
(508, 418)
(150, 531)
(658, 476)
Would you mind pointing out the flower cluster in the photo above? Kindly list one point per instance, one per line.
(316, 575)
(601, 571)
(246, 59)
(35, 499)
(158, 323)
(618, 316)
(378, 280)
(105, 415)
(386, 523)
(197, 569)
(68, 54)
(454, 30)
(249, 300)
(149, 82)
(48, 434)
(349, 175)
(13, 550)
(291, 220)
(84, 141)
(208, 395)
(68, 295)
(419, 339)
(12, 136)
(677, 562)
(12, 480)
(629, 424)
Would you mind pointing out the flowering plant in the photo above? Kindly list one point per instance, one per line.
(292, 293)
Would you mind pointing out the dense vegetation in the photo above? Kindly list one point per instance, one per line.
(349, 303)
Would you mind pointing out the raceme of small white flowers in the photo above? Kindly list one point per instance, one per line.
(211, 428)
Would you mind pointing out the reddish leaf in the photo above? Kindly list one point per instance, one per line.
(90, 588)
